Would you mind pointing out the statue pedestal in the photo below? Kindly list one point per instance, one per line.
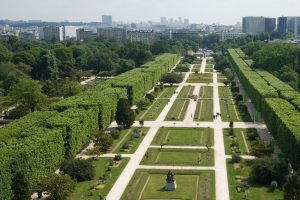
(171, 186)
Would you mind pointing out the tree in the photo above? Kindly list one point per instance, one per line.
(28, 93)
(124, 66)
(20, 187)
(59, 186)
(124, 115)
(5, 54)
(103, 141)
(171, 78)
(81, 170)
(143, 104)
(292, 188)
(70, 88)
(267, 169)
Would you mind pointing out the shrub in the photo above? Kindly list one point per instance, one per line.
(236, 158)
(115, 134)
(81, 170)
(259, 149)
(103, 141)
(142, 104)
(267, 169)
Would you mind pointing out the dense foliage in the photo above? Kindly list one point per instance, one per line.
(277, 101)
(280, 59)
(38, 143)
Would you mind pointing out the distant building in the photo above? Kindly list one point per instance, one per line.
(82, 34)
(114, 33)
(163, 21)
(231, 35)
(120, 34)
(258, 25)
(144, 36)
(27, 35)
(107, 19)
(52, 33)
(186, 22)
(288, 25)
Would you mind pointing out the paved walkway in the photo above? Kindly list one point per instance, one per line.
(123, 180)
(180, 147)
(220, 168)
(88, 80)
(222, 191)
(175, 167)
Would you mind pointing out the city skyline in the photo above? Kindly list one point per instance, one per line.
(214, 11)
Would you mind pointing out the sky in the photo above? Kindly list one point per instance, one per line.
(198, 11)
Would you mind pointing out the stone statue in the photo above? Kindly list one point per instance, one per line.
(171, 183)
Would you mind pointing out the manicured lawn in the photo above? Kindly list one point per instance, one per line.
(209, 68)
(196, 68)
(221, 78)
(261, 192)
(149, 184)
(204, 110)
(153, 111)
(178, 110)
(229, 109)
(224, 92)
(167, 92)
(190, 157)
(82, 190)
(200, 78)
(186, 91)
(184, 137)
(237, 144)
(129, 139)
(206, 92)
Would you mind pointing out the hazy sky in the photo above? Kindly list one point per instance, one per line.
(198, 11)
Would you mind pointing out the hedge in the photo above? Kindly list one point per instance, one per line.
(280, 112)
(282, 119)
(37, 143)
(256, 87)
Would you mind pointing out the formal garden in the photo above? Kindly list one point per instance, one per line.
(243, 186)
(178, 110)
(153, 111)
(179, 157)
(186, 92)
(232, 106)
(131, 140)
(206, 92)
(184, 137)
(204, 110)
(106, 172)
(167, 92)
(200, 78)
(196, 68)
(209, 68)
(149, 184)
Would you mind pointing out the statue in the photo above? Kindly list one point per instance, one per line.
(171, 183)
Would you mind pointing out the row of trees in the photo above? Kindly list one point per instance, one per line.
(280, 59)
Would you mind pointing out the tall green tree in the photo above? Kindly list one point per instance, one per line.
(28, 93)
(59, 186)
(124, 114)
(5, 54)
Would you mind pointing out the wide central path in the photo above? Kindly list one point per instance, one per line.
(123, 180)
(222, 192)
(221, 183)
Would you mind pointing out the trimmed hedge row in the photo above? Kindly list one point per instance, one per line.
(256, 87)
(37, 143)
(283, 120)
(281, 116)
